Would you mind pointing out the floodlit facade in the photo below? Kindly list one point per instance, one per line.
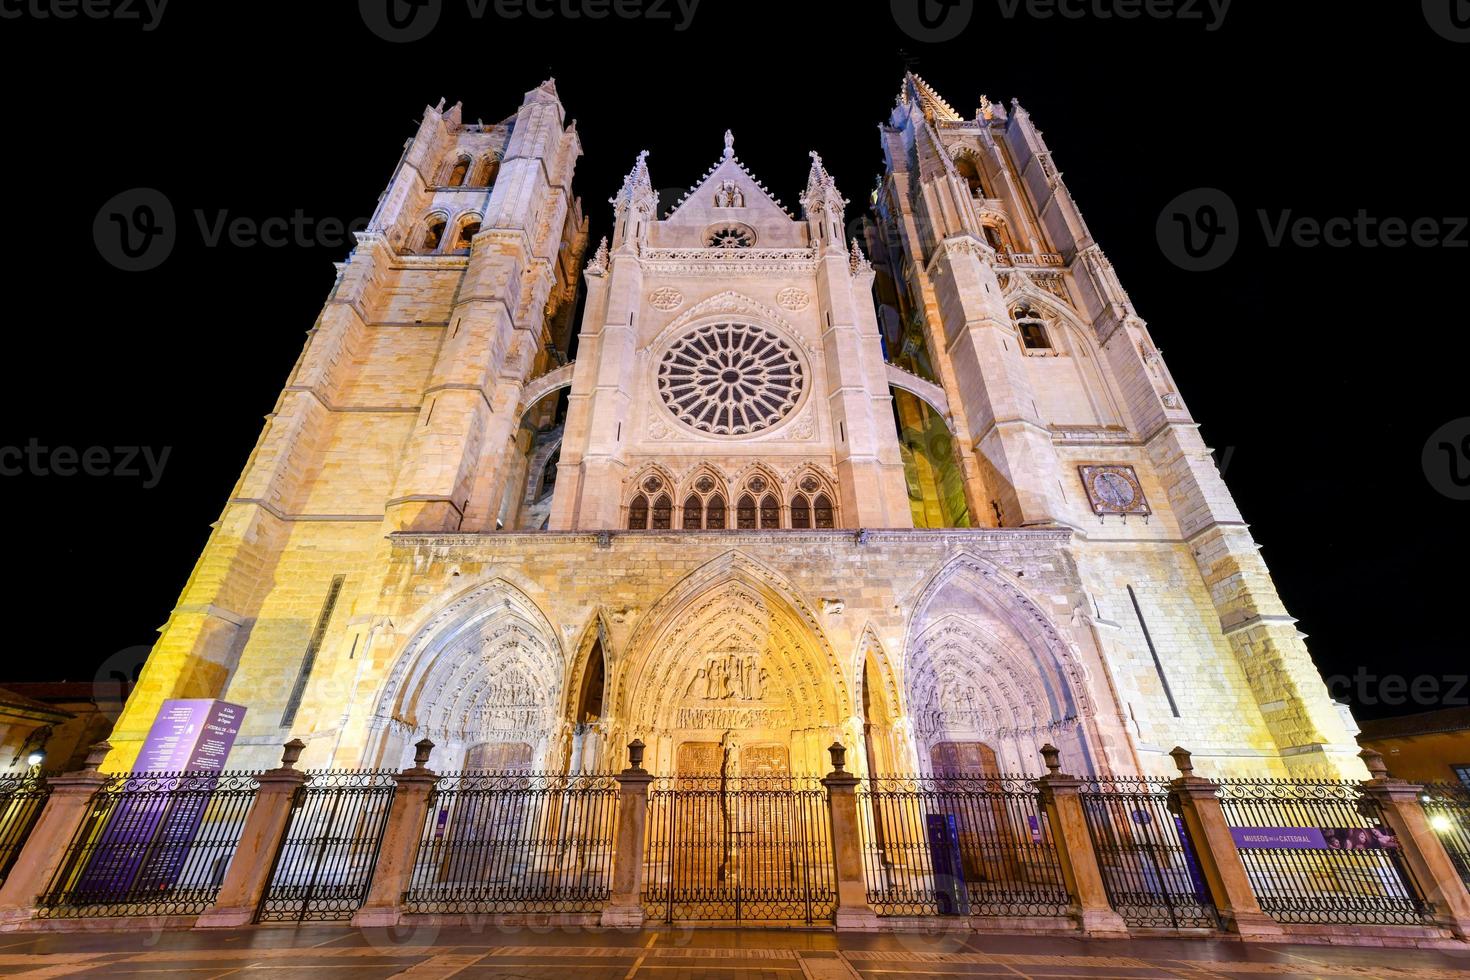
(739, 481)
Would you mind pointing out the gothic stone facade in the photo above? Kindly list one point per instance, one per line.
(710, 529)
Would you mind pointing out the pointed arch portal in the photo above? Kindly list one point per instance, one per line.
(730, 673)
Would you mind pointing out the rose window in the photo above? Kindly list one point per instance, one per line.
(730, 379)
(730, 236)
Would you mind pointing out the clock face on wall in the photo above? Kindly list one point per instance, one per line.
(1114, 490)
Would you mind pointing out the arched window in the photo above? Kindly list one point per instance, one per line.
(458, 172)
(745, 514)
(714, 514)
(467, 233)
(826, 518)
(770, 512)
(1032, 327)
(693, 513)
(801, 512)
(489, 170)
(434, 234)
(970, 171)
(638, 514)
(663, 513)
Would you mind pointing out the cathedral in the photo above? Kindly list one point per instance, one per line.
(739, 480)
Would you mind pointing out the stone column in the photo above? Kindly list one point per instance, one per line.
(46, 847)
(626, 907)
(853, 911)
(1061, 795)
(260, 841)
(1419, 845)
(384, 903)
(1219, 859)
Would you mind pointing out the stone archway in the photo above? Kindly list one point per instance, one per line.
(730, 675)
(988, 679)
(483, 680)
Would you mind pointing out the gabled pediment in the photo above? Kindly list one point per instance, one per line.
(728, 190)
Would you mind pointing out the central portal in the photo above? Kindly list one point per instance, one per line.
(731, 678)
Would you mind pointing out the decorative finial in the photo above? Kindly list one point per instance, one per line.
(1377, 768)
(635, 755)
(1181, 757)
(291, 753)
(729, 144)
(839, 756)
(1052, 756)
(598, 265)
(96, 755)
(858, 262)
(421, 750)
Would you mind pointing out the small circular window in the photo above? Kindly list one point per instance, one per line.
(729, 236)
(730, 379)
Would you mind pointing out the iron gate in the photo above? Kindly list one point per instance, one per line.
(959, 845)
(325, 862)
(1148, 864)
(753, 849)
(151, 844)
(1447, 805)
(1352, 874)
(22, 797)
(516, 842)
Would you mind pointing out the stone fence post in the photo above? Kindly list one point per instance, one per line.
(1419, 845)
(1198, 803)
(625, 909)
(396, 856)
(1061, 796)
(45, 849)
(853, 911)
(260, 840)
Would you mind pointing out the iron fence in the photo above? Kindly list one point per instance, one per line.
(152, 844)
(22, 798)
(516, 842)
(1337, 863)
(325, 862)
(751, 849)
(1148, 863)
(973, 845)
(1447, 805)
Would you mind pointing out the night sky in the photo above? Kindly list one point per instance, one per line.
(1318, 373)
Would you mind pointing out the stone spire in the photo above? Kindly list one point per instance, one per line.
(637, 191)
(821, 196)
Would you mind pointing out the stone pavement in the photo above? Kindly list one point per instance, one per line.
(429, 952)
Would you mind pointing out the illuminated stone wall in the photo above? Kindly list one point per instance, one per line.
(365, 585)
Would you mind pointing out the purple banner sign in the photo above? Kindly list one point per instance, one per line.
(1314, 838)
(191, 736)
(148, 835)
